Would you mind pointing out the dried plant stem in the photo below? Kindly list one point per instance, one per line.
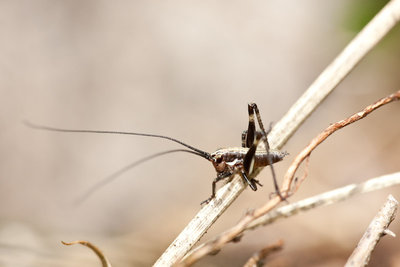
(227, 236)
(327, 198)
(289, 176)
(203, 220)
(258, 258)
(306, 104)
(376, 229)
(99, 253)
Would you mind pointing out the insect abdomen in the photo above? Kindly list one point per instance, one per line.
(261, 159)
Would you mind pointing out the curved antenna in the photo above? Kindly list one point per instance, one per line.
(201, 153)
(121, 171)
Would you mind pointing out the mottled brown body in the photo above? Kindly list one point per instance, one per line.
(238, 153)
(248, 160)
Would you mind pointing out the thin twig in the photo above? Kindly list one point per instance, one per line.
(99, 253)
(376, 229)
(285, 128)
(327, 198)
(289, 176)
(230, 234)
(258, 258)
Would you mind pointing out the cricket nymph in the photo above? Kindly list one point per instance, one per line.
(247, 161)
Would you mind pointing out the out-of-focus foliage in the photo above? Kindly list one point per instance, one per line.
(360, 12)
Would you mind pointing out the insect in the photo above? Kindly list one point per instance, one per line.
(247, 161)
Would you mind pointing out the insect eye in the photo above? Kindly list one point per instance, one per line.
(218, 160)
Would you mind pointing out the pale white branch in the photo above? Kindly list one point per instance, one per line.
(327, 198)
(376, 229)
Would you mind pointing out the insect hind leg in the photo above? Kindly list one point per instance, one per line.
(244, 138)
(254, 109)
(251, 182)
(249, 134)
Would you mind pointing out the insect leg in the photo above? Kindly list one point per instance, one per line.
(249, 158)
(257, 182)
(270, 161)
(214, 183)
(244, 135)
(248, 136)
(254, 108)
(251, 182)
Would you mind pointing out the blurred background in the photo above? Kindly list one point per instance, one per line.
(187, 70)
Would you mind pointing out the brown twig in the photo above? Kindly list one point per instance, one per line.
(99, 253)
(289, 176)
(376, 229)
(326, 198)
(230, 234)
(258, 258)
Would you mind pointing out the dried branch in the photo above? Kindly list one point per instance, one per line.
(327, 198)
(305, 153)
(99, 253)
(258, 258)
(324, 199)
(376, 229)
(285, 128)
(229, 235)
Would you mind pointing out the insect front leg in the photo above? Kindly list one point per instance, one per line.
(220, 177)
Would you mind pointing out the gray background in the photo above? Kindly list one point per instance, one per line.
(185, 69)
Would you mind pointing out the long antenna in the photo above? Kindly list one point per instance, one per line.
(201, 153)
(118, 173)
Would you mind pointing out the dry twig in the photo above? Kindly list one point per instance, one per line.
(229, 235)
(258, 258)
(306, 104)
(289, 176)
(99, 253)
(327, 198)
(376, 229)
